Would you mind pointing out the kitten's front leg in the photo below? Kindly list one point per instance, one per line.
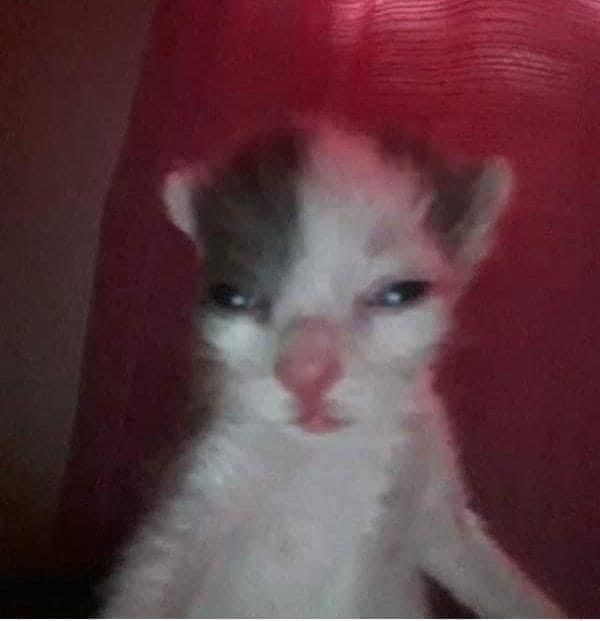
(164, 565)
(143, 585)
(460, 555)
(467, 562)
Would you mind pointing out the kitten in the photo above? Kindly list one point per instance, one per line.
(326, 484)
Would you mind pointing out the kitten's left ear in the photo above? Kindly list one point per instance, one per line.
(180, 191)
(469, 204)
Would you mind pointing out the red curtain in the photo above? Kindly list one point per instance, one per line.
(509, 76)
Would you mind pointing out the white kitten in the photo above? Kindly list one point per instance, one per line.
(327, 483)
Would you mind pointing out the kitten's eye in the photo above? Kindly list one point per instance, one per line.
(399, 293)
(231, 298)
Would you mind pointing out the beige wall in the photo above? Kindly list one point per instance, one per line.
(68, 69)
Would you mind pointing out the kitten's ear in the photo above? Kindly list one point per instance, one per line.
(180, 192)
(469, 204)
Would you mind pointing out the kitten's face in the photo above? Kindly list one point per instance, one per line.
(321, 253)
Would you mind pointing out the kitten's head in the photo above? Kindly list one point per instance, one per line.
(332, 260)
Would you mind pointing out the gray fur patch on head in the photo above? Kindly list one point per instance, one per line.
(247, 217)
(244, 212)
(467, 201)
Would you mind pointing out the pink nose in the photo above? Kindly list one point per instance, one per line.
(310, 362)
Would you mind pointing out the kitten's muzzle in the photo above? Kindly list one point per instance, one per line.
(309, 365)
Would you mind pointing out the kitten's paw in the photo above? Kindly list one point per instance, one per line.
(548, 609)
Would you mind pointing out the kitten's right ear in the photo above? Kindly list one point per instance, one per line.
(180, 191)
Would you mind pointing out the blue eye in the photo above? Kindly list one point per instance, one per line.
(230, 298)
(399, 293)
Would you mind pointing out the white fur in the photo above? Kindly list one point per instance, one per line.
(271, 521)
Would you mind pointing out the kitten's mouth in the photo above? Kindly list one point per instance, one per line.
(314, 417)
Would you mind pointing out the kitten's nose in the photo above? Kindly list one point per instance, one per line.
(310, 360)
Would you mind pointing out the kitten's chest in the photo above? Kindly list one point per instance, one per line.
(303, 546)
(329, 500)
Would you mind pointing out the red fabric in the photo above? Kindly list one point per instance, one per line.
(513, 77)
